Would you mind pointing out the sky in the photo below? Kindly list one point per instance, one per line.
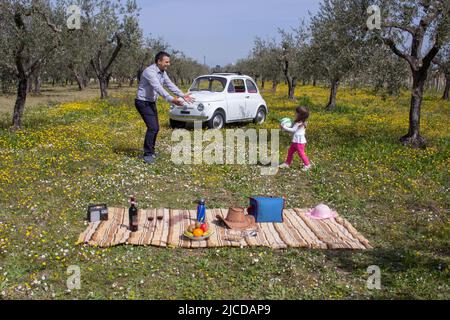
(223, 31)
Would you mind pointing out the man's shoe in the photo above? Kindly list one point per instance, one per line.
(149, 160)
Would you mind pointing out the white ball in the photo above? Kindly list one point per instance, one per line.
(287, 122)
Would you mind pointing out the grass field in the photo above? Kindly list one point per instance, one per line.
(51, 96)
(76, 153)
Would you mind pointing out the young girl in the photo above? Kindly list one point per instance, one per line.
(299, 141)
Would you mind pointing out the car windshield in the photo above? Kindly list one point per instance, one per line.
(212, 84)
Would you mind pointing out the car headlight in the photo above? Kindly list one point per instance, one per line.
(172, 107)
(200, 107)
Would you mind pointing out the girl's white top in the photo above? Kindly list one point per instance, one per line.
(299, 131)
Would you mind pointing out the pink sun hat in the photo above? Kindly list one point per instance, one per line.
(322, 212)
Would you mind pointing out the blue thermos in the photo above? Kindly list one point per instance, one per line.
(201, 211)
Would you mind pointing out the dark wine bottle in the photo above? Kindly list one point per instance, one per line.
(133, 215)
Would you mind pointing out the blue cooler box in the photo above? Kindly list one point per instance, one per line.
(267, 209)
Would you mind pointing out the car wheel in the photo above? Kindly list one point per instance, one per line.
(260, 116)
(177, 124)
(217, 121)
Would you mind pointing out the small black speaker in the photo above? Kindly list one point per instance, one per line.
(97, 212)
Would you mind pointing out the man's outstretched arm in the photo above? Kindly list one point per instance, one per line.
(172, 87)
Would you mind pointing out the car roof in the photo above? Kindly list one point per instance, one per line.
(227, 75)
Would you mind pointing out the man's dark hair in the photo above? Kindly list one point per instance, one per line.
(160, 55)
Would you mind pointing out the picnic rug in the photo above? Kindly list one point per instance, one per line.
(168, 225)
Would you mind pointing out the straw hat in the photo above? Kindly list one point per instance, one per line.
(322, 212)
(237, 219)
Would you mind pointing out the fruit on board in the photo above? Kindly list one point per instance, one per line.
(198, 233)
(191, 229)
(204, 227)
(198, 225)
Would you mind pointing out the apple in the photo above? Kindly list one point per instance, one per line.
(204, 227)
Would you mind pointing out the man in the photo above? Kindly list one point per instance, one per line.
(150, 88)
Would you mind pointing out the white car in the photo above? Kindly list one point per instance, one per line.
(221, 98)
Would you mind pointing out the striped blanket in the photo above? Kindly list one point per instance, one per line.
(165, 228)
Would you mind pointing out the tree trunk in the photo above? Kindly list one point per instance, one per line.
(447, 88)
(79, 81)
(413, 137)
(78, 78)
(4, 87)
(263, 83)
(102, 72)
(29, 86)
(274, 85)
(333, 91)
(103, 87)
(37, 83)
(291, 91)
(86, 80)
(131, 82)
(292, 83)
(20, 102)
(314, 82)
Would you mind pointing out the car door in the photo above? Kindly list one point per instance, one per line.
(236, 99)
(252, 99)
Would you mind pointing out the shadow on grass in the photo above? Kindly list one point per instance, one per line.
(388, 259)
(399, 267)
(229, 126)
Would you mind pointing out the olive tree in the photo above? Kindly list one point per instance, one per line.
(266, 54)
(442, 61)
(128, 61)
(415, 30)
(339, 44)
(386, 72)
(290, 54)
(72, 59)
(148, 52)
(106, 23)
(29, 36)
